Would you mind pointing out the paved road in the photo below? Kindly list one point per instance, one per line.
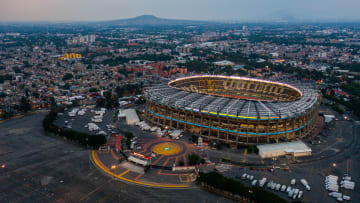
(46, 169)
(315, 172)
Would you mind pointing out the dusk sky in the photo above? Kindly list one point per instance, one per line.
(241, 10)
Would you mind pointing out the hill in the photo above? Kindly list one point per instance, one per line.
(153, 21)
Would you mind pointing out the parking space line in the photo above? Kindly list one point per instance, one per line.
(137, 177)
(123, 173)
(114, 155)
(157, 160)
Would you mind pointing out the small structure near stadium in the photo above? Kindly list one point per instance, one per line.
(296, 149)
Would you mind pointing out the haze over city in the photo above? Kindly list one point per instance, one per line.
(180, 101)
(227, 10)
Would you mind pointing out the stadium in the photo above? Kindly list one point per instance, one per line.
(236, 110)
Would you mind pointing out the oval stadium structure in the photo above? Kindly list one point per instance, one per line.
(234, 109)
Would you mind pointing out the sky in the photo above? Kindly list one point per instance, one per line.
(228, 10)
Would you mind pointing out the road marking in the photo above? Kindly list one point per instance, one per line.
(348, 165)
(166, 161)
(137, 177)
(184, 156)
(14, 117)
(184, 178)
(99, 164)
(114, 155)
(245, 153)
(157, 160)
(123, 173)
(97, 157)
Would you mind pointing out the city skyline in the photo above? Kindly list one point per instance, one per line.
(210, 10)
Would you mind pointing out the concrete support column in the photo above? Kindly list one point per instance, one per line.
(267, 131)
(201, 122)
(178, 116)
(277, 130)
(285, 123)
(171, 115)
(184, 120)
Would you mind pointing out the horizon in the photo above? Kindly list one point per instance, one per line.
(202, 10)
(324, 21)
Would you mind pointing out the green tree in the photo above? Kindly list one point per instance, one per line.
(193, 159)
(93, 89)
(24, 105)
(67, 76)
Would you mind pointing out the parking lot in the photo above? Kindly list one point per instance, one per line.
(80, 122)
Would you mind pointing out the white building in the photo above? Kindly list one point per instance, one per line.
(329, 118)
(175, 134)
(224, 63)
(295, 149)
(131, 116)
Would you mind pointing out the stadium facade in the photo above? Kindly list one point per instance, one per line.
(235, 109)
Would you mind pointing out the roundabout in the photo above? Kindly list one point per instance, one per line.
(167, 148)
(165, 153)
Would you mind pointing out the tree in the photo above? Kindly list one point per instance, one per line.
(194, 138)
(25, 105)
(53, 104)
(100, 102)
(193, 159)
(129, 136)
(67, 76)
(7, 114)
(93, 89)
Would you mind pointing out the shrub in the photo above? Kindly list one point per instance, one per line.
(193, 159)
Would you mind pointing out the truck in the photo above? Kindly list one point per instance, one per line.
(273, 185)
(288, 189)
(305, 183)
(262, 182)
(335, 194)
(345, 197)
(291, 193)
(296, 192)
(347, 178)
(300, 194)
(348, 185)
(278, 186)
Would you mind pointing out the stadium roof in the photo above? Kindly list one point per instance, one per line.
(232, 107)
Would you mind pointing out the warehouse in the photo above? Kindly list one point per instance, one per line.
(296, 149)
(131, 116)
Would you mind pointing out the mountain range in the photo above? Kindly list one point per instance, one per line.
(152, 20)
